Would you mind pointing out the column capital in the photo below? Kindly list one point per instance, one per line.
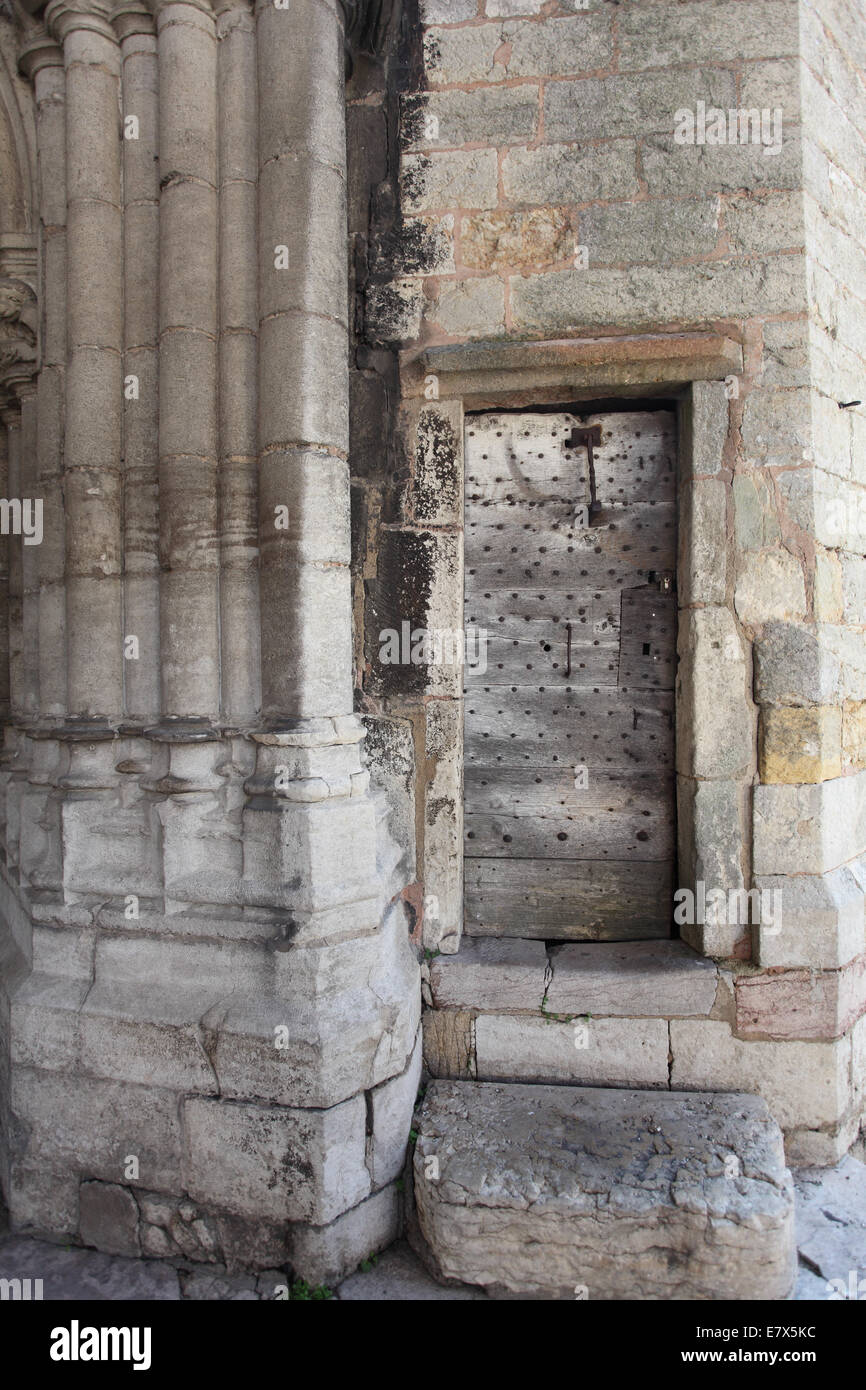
(130, 17)
(63, 17)
(41, 52)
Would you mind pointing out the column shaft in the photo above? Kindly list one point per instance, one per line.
(46, 65)
(94, 283)
(135, 27)
(189, 597)
(303, 371)
(238, 387)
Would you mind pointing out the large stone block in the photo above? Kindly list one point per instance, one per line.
(434, 441)
(673, 170)
(486, 115)
(800, 745)
(557, 1192)
(583, 43)
(654, 36)
(592, 1051)
(712, 825)
(511, 240)
(331, 1021)
(831, 1222)
(598, 108)
(326, 1254)
(821, 923)
(470, 308)
(641, 296)
(755, 522)
(715, 728)
(770, 588)
(443, 827)
(654, 979)
(709, 411)
(390, 756)
(805, 1084)
(278, 1164)
(110, 845)
(91, 1127)
(490, 974)
(801, 1003)
(449, 179)
(449, 1043)
(310, 856)
(659, 231)
(570, 173)
(809, 829)
(809, 665)
(773, 222)
(702, 539)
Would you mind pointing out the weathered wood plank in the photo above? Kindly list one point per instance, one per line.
(564, 901)
(541, 790)
(586, 835)
(627, 542)
(532, 726)
(529, 461)
(521, 649)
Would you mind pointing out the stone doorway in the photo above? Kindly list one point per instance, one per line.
(571, 616)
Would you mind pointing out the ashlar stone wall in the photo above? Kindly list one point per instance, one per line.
(547, 193)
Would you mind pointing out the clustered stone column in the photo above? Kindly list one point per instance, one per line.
(219, 1041)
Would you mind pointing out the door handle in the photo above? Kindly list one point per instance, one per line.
(586, 438)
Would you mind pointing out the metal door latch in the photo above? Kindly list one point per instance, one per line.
(588, 437)
(664, 579)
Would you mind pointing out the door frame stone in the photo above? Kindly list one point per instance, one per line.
(715, 716)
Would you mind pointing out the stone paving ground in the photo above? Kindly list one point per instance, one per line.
(831, 1238)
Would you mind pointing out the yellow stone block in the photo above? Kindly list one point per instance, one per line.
(801, 745)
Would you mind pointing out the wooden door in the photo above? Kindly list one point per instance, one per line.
(569, 731)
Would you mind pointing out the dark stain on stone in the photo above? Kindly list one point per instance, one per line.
(399, 594)
(436, 455)
(412, 110)
(414, 177)
(439, 805)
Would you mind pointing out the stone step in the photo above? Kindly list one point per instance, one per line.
(565, 1192)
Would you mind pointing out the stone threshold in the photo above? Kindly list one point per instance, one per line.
(628, 979)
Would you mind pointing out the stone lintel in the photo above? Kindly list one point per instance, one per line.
(482, 373)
